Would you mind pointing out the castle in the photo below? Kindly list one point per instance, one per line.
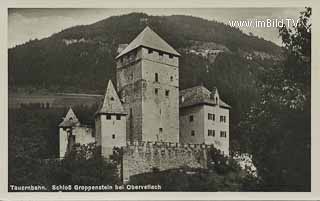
(148, 114)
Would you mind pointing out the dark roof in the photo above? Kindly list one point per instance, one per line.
(199, 95)
(67, 124)
(148, 38)
(69, 120)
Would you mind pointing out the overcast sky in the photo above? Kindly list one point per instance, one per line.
(25, 23)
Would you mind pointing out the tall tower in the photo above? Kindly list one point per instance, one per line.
(110, 122)
(148, 82)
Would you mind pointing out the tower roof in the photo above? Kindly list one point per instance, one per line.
(69, 120)
(111, 103)
(148, 38)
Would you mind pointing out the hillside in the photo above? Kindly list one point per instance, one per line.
(81, 59)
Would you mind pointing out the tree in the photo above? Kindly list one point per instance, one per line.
(278, 125)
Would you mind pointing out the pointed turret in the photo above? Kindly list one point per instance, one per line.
(148, 38)
(69, 120)
(111, 103)
(110, 122)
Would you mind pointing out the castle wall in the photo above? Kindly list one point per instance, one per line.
(161, 113)
(151, 117)
(219, 142)
(155, 56)
(98, 130)
(113, 133)
(147, 156)
(187, 126)
(63, 142)
(129, 86)
(84, 135)
(201, 124)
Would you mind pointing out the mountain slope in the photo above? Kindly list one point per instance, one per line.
(81, 58)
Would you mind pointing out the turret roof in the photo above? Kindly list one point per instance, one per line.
(148, 38)
(69, 120)
(111, 103)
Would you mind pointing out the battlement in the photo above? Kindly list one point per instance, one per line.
(149, 144)
(143, 157)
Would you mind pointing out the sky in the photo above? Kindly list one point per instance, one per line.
(26, 24)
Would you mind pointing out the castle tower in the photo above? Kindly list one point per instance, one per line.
(148, 81)
(66, 132)
(110, 122)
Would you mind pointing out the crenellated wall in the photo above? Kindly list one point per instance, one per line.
(145, 157)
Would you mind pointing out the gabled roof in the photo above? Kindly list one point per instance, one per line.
(148, 38)
(69, 120)
(199, 95)
(111, 103)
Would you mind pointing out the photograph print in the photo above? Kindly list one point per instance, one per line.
(157, 100)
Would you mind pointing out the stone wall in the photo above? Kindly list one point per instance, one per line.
(144, 157)
(196, 125)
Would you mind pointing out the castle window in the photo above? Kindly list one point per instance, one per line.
(223, 134)
(108, 116)
(211, 116)
(193, 133)
(156, 77)
(150, 51)
(222, 118)
(156, 91)
(112, 98)
(182, 99)
(171, 78)
(167, 92)
(211, 133)
(118, 117)
(191, 118)
(113, 136)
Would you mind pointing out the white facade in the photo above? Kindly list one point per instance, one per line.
(204, 118)
(72, 132)
(110, 123)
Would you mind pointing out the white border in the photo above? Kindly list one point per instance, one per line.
(5, 4)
